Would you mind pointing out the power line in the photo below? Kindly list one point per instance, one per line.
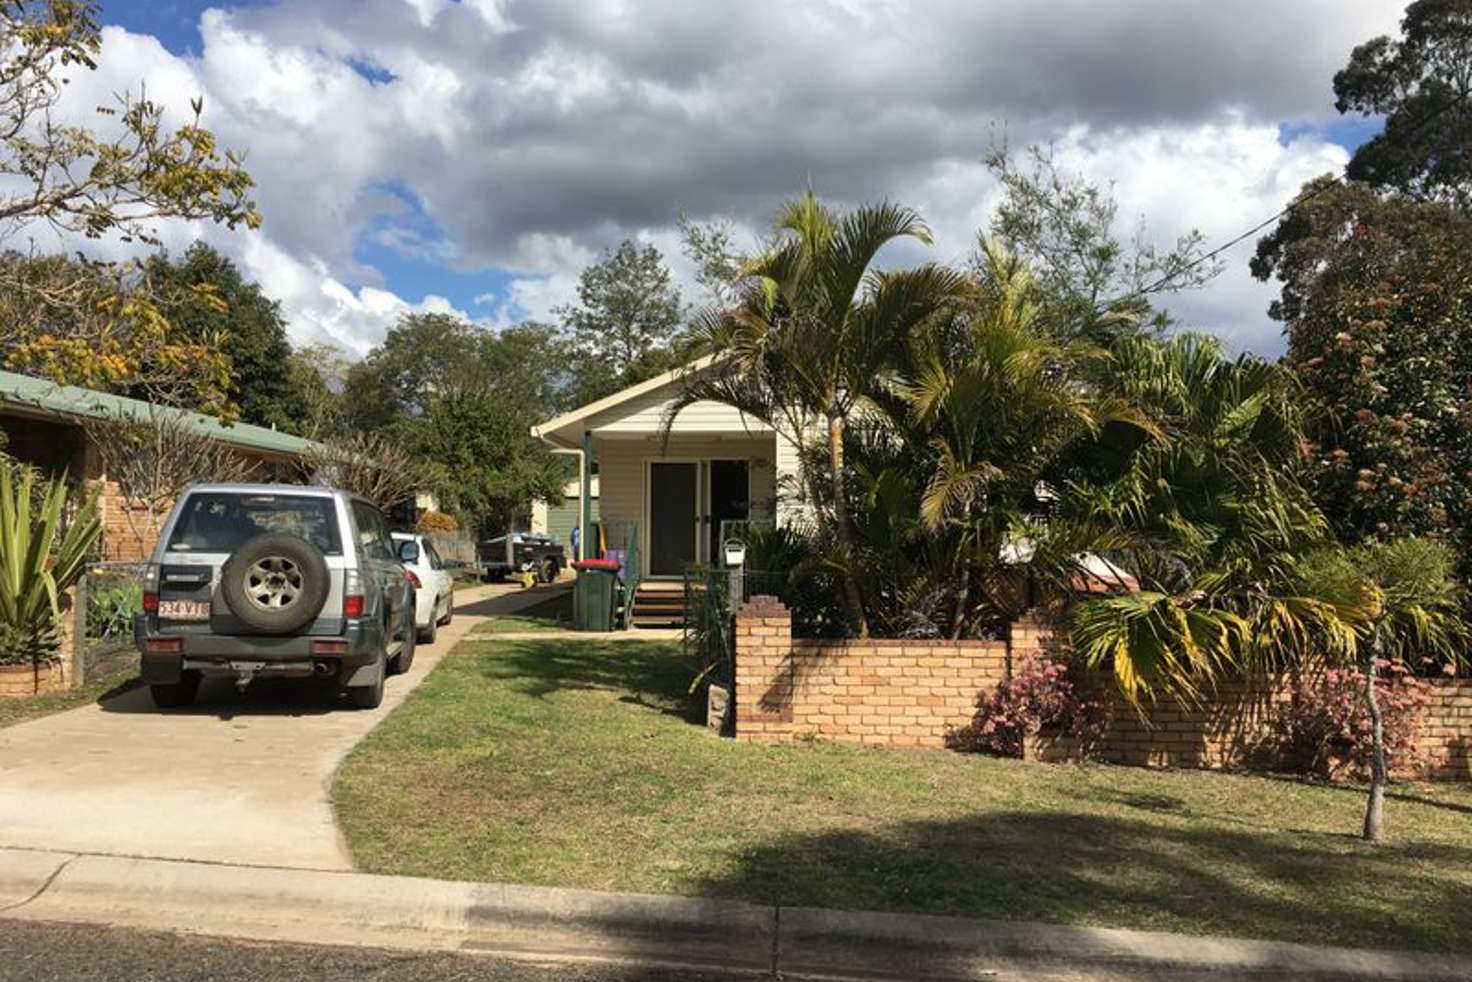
(1235, 240)
(1238, 239)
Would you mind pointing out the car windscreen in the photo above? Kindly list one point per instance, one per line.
(221, 521)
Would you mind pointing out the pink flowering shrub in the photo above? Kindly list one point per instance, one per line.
(1042, 695)
(1325, 728)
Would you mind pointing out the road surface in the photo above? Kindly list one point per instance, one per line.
(75, 953)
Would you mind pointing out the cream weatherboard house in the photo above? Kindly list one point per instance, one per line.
(715, 465)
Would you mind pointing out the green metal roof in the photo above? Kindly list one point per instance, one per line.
(70, 400)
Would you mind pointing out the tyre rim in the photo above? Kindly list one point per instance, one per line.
(273, 583)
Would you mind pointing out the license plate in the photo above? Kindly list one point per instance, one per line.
(184, 610)
(247, 666)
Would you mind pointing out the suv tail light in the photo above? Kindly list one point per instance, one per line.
(412, 578)
(352, 594)
(150, 589)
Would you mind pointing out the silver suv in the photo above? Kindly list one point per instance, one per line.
(274, 580)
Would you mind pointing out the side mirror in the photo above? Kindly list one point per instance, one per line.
(408, 552)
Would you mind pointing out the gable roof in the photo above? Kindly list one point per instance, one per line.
(548, 431)
(44, 396)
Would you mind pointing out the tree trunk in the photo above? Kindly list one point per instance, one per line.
(852, 599)
(1375, 809)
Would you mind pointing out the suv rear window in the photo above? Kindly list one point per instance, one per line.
(220, 522)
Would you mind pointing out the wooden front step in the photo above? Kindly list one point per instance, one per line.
(659, 608)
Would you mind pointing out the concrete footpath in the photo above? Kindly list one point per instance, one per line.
(237, 778)
(546, 924)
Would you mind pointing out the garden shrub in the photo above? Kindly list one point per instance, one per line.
(110, 612)
(1324, 728)
(784, 561)
(436, 521)
(1045, 694)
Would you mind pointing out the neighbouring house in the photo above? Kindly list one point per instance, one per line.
(558, 518)
(715, 465)
(44, 426)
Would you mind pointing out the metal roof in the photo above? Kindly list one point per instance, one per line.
(26, 392)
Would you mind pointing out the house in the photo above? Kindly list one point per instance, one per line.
(44, 425)
(674, 490)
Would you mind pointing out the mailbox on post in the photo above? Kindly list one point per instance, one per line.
(734, 552)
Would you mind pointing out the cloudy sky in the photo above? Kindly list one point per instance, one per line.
(474, 155)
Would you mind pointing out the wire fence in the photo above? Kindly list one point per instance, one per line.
(109, 597)
(712, 595)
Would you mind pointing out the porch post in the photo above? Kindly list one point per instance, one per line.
(586, 547)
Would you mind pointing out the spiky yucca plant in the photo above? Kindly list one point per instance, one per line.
(41, 555)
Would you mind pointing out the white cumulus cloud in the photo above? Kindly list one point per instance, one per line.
(530, 135)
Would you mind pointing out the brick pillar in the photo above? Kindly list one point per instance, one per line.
(1028, 637)
(763, 670)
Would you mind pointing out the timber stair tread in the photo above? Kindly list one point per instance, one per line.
(658, 608)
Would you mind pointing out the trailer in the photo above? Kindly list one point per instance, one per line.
(537, 558)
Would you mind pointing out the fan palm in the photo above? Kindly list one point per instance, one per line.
(813, 325)
(1214, 519)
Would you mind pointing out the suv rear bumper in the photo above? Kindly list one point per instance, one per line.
(288, 655)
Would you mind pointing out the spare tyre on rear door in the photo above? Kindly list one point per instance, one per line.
(275, 583)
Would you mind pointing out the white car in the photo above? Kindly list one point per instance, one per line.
(434, 587)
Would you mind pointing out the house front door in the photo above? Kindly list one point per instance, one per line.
(729, 501)
(674, 506)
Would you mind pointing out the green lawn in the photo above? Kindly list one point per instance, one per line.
(578, 763)
(14, 711)
(553, 614)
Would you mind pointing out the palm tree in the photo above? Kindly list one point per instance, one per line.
(1401, 602)
(813, 325)
(991, 407)
(1214, 519)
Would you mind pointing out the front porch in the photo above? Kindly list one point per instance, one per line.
(668, 493)
(682, 494)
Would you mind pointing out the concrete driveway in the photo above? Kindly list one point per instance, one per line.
(235, 779)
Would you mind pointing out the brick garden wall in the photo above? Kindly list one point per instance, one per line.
(883, 692)
(912, 693)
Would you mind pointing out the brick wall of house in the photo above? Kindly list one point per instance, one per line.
(127, 533)
(914, 692)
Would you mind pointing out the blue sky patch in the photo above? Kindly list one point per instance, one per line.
(174, 22)
(1347, 131)
(408, 247)
(376, 74)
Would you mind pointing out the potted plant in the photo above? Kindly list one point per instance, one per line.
(42, 553)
